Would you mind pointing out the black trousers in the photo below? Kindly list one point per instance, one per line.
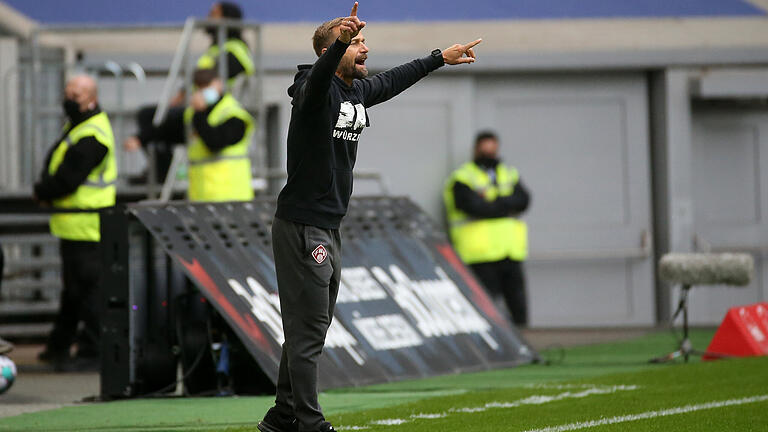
(506, 278)
(80, 299)
(308, 266)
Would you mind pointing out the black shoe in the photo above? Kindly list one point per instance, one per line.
(275, 421)
(326, 427)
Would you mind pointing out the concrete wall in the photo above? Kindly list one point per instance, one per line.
(709, 185)
(730, 211)
(581, 144)
(615, 162)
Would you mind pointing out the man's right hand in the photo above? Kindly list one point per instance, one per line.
(131, 144)
(459, 54)
(350, 26)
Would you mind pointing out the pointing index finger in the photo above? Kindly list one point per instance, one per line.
(471, 44)
(354, 10)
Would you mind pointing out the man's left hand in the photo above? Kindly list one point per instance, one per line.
(43, 204)
(197, 101)
(455, 54)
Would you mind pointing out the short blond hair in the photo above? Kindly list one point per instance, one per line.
(324, 37)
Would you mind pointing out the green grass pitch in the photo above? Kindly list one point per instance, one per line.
(608, 387)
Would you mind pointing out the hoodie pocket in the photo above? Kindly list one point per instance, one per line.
(336, 197)
(325, 193)
(343, 184)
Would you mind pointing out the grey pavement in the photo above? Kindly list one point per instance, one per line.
(37, 388)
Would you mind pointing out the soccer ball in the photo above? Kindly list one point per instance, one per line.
(7, 374)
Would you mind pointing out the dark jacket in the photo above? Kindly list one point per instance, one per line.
(473, 204)
(327, 119)
(216, 138)
(81, 158)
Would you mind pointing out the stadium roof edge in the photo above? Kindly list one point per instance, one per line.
(760, 4)
(513, 38)
(15, 22)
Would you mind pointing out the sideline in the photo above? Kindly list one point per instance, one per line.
(588, 390)
(652, 414)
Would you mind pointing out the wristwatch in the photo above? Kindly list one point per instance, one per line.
(436, 53)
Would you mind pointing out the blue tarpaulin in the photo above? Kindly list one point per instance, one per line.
(175, 11)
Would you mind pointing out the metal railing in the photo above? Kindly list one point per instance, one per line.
(704, 246)
(644, 251)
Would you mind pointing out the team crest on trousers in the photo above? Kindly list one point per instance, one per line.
(319, 254)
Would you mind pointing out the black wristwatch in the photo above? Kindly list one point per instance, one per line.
(436, 53)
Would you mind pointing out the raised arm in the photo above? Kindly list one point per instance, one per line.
(386, 85)
(315, 88)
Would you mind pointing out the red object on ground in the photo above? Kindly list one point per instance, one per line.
(743, 332)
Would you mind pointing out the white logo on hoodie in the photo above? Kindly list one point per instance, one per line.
(351, 117)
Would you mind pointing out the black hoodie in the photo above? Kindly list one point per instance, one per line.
(327, 119)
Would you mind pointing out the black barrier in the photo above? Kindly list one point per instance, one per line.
(407, 307)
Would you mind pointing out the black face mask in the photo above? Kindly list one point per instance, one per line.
(487, 162)
(71, 108)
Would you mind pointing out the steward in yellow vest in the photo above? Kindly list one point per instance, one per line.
(79, 173)
(483, 199)
(483, 225)
(238, 55)
(238, 59)
(219, 166)
(171, 130)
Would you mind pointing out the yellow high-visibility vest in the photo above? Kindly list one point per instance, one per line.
(98, 190)
(235, 46)
(224, 175)
(485, 240)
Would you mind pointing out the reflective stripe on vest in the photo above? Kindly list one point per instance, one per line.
(238, 48)
(485, 240)
(224, 175)
(97, 191)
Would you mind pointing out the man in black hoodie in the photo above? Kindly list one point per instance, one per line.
(330, 99)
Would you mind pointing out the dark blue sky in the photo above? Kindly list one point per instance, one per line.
(174, 11)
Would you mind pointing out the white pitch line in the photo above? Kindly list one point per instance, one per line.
(543, 399)
(389, 422)
(652, 414)
(557, 386)
(429, 416)
(531, 400)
